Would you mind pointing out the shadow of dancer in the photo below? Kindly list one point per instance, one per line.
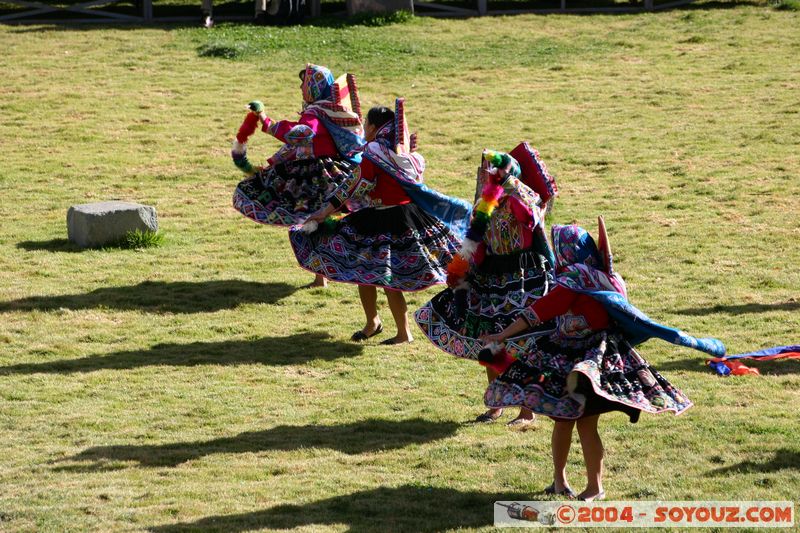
(740, 309)
(290, 350)
(405, 508)
(358, 437)
(161, 297)
(783, 459)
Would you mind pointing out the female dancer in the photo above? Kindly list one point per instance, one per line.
(404, 238)
(503, 267)
(588, 365)
(321, 150)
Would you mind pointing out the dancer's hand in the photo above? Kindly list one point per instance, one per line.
(502, 173)
(256, 106)
(318, 216)
(493, 175)
(494, 338)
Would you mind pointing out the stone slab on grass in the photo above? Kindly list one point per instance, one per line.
(104, 223)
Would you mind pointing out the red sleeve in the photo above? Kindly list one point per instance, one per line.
(554, 303)
(322, 141)
(368, 169)
(280, 128)
(387, 190)
(594, 312)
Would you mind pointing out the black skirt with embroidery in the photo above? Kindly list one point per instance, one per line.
(285, 194)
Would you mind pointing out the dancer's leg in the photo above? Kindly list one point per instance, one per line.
(369, 301)
(593, 457)
(399, 309)
(560, 443)
(319, 281)
(493, 413)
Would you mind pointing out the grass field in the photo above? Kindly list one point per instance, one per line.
(195, 385)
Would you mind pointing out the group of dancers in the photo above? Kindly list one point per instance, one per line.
(549, 318)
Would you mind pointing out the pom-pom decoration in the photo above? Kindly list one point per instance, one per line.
(239, 149)
(309, 226)
(248, 127)
(496, 159)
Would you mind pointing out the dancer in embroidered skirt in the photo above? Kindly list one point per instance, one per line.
(504, 264)
(588, 365)
(404, 238)
(320, 150)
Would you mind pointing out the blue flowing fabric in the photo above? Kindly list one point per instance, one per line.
(581, 269)
(638, 327)
(776, 352)
(452, 212)
(766, 352)
(719, 367)
(348, 143)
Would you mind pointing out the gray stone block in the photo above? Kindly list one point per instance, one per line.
(103, 223)
(378, 6)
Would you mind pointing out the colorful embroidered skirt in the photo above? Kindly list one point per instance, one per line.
(399, 247)
(499, 289)
(287, 193)
(591, 376)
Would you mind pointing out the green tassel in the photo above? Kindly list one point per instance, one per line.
(329, 224)
(480, 215)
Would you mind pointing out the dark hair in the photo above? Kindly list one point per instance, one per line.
(303, 75)
(378, 116)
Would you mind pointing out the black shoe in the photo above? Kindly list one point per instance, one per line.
(393, 340)
(566, 491)
(360, 336)
(488, 417)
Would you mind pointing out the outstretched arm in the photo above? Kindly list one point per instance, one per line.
(515, 328)
(279, 128)
(554, 303)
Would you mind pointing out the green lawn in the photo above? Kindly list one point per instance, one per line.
(195, 385)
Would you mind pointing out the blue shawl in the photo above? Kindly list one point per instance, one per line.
(407, 170)
(579, 269)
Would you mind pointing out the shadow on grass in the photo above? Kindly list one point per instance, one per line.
(161, 297)
(783, 459)
(405, 508)
(291, 350)
(53, 245)
(689, 364)
(358, 437)
(742, 309)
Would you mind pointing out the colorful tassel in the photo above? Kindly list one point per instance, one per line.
(239, 156)
(248, 127)
(482, 214)
(239, 149)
